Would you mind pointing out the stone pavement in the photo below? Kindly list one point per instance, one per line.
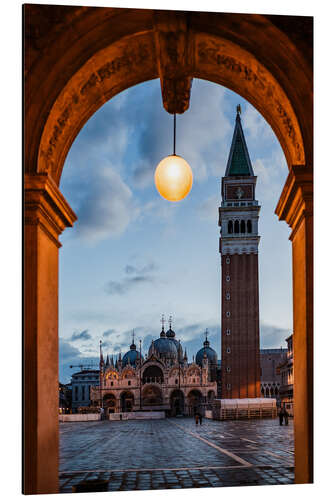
(175, 453)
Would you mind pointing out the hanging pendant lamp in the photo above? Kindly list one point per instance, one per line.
(173, 175)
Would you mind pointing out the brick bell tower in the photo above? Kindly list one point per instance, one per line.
(239, 240)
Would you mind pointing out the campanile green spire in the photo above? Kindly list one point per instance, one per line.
(239, 162)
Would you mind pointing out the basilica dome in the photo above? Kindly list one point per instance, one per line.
(209, 352)
(132, 356)
(170, 334)
(164, 347)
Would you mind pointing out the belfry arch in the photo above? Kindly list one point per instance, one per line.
(74, 63)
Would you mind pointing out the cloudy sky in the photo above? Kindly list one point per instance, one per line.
(132, 255)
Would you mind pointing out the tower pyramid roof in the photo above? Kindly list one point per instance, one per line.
(239, 162)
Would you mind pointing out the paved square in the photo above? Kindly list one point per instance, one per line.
(175, 453)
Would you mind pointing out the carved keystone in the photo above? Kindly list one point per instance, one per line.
(174, 59)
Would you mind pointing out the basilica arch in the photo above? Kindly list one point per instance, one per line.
(127, 401)
(152, 395)
(177, 402)
(153, 374)
(109, 402)
(74, 63)
(194, 401)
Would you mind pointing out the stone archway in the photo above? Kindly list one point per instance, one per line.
(177, 406)
(75, 63)
(109, 402)
(127, 401)
(152, 396)
(194, 402)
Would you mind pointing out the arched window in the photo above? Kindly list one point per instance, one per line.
(236, 226)
(152, 374)
(230, 227)
(249, 226)
(242, 226)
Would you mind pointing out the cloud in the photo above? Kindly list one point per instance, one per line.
(154, 208)
(122, 287)
(273, 337)
(72, 356)
(130, 269)
(141, 275)
(66, 350)
(107, 333)
(84, 335)
(111, 346)
(255, 126)
(143, 174)
(208, 209)
(105, 205)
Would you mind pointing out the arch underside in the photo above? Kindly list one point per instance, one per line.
(133, 60)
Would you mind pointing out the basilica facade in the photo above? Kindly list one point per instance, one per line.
(163, 380)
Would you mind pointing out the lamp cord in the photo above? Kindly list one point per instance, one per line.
(174, 133)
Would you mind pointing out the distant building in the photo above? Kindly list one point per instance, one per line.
(162, 381)
(270, 378)
(286, 372)
(81, 383)
(65, 397)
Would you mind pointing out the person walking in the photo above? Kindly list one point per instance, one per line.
(196, 419)
(286, 417)
(281, 415)
(200, 418)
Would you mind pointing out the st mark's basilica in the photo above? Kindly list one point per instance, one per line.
(163, 380)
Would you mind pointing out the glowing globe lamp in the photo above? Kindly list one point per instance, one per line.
(173, 178)
(173, 175)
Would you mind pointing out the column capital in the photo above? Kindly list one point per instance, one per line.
(296, 200)
(44, 205)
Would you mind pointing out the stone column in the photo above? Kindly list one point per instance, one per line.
(296, 208)
(46, 215)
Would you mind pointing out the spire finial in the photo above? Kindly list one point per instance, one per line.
(238, 109)
(101, 359)
(206, 342)
(163, 322)
(133, 346)
(170, 321)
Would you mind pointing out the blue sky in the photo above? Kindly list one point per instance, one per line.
(132, 255)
